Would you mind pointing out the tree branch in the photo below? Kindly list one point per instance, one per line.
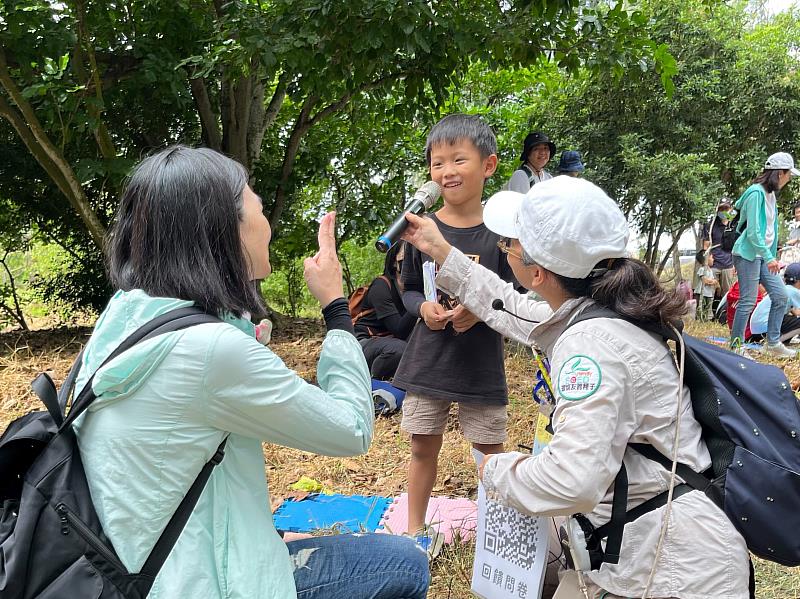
(301, 125)
(16, 314)
(208, 120)
(27, 138)
(343, 101)
(76, 195)
(275, 103)
(101, 134)
(261, 120)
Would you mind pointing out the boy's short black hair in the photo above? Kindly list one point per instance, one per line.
(701, 257)
(455, 127)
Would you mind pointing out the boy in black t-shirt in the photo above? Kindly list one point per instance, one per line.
(452, 356)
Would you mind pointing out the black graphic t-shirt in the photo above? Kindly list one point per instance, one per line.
(462, 367)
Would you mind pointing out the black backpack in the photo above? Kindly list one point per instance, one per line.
(750, 421)
(51, 542)
(730, 234)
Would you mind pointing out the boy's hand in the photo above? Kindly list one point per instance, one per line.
(434, 315)
(424, 235)
(463, 319)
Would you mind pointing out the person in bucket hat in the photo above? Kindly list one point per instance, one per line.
(613, 384)
(570, 163)
(537, 150)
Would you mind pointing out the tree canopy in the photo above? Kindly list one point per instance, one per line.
(327, 103)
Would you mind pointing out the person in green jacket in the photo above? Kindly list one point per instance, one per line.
(190, 230)
(755, 252)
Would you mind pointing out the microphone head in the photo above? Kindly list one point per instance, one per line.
(429, 193)
(498, 304)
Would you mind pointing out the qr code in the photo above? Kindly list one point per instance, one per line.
(510, 535)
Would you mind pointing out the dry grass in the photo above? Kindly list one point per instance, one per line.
(382, 471)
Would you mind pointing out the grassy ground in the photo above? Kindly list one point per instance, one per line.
(382, 471)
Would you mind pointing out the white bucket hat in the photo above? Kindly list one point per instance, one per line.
(781, 161)
(566, 225)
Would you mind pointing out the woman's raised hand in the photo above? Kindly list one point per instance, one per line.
(323, 273)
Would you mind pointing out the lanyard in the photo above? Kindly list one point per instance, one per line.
(543, 390)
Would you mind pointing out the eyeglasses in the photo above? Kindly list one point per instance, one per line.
(505, 247)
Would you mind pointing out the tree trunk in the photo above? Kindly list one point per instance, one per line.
(208, 120)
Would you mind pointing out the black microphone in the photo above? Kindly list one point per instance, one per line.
(500, 306)
(422, 201)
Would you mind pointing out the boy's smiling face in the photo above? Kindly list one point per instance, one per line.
(460, 171)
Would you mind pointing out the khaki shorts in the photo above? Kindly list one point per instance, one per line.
(483, 424)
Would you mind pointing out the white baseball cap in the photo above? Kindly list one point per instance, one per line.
(565, 224)
(781, 161)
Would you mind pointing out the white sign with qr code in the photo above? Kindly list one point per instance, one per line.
(510, 551)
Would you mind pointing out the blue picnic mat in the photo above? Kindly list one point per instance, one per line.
(725, 341)
(346, 513)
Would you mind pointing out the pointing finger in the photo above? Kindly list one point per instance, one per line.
(325, 237)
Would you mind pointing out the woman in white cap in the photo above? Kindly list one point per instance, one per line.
(755, 252)
(615, 384)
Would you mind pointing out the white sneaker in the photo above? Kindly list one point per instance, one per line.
(737, 348)
(794, 340)
(430, 541)
(779, 350)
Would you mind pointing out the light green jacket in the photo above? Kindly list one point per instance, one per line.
(753, 226)
(164, 406)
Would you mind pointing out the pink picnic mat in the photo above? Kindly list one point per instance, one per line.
(447, 515)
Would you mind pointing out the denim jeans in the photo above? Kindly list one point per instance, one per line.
(359, 566)
(750, 273)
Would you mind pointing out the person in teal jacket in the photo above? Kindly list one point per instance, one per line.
(755, 252)
(189, 230)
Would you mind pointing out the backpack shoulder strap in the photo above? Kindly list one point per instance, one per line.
(174, 320)
(163, 547)
(619, 516)
(529, 172)
(598, 311)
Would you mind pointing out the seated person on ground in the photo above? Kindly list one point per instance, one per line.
(383, 328)
(791, 320)
(732, 300)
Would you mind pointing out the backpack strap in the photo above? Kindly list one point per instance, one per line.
(174, 320)
(529, 172)
(45, 389)
(163, 547)
(613, 529)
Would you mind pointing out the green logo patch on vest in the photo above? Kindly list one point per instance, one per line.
(578, 378)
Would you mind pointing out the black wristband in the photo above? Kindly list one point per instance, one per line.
(337, 316)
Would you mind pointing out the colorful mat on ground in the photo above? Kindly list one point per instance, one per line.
(359, 513)
(448, 516)
(725, 341)
(353, 513)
